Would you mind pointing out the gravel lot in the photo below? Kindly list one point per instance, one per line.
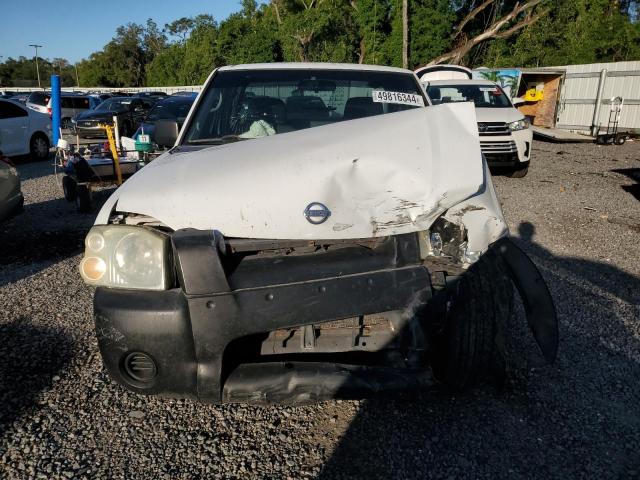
(578, 216)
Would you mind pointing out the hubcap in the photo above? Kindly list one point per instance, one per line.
(40, 147)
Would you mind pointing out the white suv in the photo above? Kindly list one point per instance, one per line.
(505, 136)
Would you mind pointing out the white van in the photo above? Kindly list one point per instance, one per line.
(505, 136)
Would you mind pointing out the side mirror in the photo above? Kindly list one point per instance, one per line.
(166, 133)
(518, 101)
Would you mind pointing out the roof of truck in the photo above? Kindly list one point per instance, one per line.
(314, 66)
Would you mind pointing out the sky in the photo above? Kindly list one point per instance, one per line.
(77, 28)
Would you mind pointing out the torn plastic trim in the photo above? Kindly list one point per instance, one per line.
(481, 217)
(311, 382)
(536, 298)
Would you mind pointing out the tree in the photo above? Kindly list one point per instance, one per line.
(371, 19)
(581, 31)
(317, 30)
(180, 28)
(503, 26)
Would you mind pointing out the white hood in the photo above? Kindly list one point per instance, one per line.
(378, 176)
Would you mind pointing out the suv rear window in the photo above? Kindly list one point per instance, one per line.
(80, 103)
(39, 98)
(251, 103)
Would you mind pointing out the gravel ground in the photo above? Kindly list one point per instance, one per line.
(578, 216)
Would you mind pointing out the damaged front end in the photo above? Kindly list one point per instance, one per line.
(263, 321)
(408, 274)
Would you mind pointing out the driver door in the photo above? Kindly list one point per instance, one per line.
(14, 125)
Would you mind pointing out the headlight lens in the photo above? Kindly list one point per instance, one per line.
(124, 256)
(519, 125)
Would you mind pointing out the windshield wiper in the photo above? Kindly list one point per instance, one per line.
(216, 141)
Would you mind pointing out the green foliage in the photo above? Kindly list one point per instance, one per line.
(186, 50)
(21, 72)
(580, 31)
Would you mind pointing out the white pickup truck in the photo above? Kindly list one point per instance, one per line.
(313, 232)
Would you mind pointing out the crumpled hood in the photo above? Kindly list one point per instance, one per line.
(378, 176)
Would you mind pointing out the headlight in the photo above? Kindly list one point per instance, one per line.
(123, 256)
(519, 125)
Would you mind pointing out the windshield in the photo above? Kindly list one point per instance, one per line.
(483, 96)
(257, 103)
(170, 110)
(115, 105)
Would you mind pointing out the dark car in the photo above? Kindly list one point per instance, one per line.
(154, 95)
(130, 113)
(171, 108)
(185, 94)
(20, 97)
(104, 96)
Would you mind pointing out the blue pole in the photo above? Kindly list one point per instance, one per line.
(55, 108)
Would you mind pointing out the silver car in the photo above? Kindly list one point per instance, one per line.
(11, 199)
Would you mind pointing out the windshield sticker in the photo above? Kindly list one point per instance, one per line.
(402, 98)
(490, 89)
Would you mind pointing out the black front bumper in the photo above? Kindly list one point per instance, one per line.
(181, 338)
(187, 330)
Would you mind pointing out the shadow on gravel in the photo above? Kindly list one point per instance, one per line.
(578, 418)
(633, 174)
(30, 168)
(30, 357)
(44, 234)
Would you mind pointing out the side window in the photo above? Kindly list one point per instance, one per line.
(66, 102)
(81, 103)
(11, 110)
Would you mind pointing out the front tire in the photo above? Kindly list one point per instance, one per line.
(69, 188)
(39, 146)
(83, 199)
(469, 348)
(519, 172)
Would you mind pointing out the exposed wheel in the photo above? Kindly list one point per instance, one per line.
(83, 199)
(519, 172)
(39, 146)
(66, 124)
(620, 140)
(125, 129)
(69, 188)
(469, 348)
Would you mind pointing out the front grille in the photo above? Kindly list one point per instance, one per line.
(87, 124)
(498, 147)
(488, 129)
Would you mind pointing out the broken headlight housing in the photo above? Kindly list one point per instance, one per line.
(125, 256)
(518, 125)
(447, 239)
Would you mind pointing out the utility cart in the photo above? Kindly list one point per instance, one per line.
(613, 136)
(88, 167)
